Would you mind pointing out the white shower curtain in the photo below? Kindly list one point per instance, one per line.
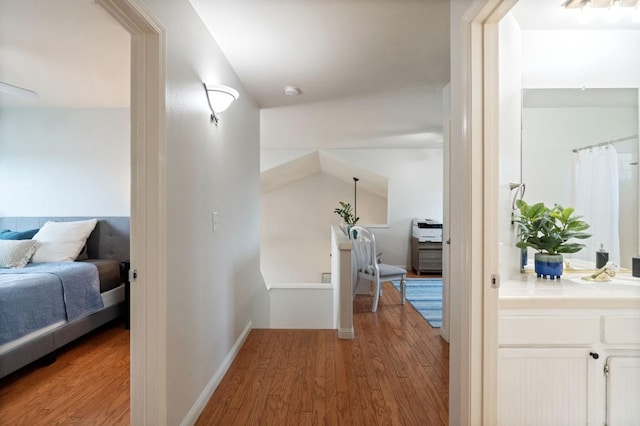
(596, 192)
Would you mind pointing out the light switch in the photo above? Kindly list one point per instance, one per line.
(214, 220)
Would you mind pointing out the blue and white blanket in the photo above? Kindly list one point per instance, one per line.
(44, 293)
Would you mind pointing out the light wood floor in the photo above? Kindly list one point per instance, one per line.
(87, 385)
(394, 372)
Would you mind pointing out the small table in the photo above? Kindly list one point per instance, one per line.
(426, 256)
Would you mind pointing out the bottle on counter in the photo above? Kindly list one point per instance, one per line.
(602, 257)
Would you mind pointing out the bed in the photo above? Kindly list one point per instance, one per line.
(46, 305)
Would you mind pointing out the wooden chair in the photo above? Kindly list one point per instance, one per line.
(368, 268)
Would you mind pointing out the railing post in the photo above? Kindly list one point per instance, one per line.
(341, 278)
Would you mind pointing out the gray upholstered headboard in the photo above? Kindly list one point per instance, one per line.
(109, 240)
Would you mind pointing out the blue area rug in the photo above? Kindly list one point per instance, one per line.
(425, 294)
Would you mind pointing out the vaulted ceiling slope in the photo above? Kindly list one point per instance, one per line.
(320, 162)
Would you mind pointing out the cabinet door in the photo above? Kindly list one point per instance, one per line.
(542, 386)
(623, 391)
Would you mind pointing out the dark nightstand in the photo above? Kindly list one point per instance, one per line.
(124, 277)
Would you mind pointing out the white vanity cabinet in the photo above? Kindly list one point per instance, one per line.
(623, 390)
(622, 369)
(569, 367)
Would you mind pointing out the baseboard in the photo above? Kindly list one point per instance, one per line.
(444, 334)
(346, 333)
(193, 414)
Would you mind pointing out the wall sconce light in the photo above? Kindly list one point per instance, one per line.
(219, 98)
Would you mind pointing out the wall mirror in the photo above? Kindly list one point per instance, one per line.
(557, 127)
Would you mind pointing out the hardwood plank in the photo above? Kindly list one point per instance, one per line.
(394, 372)
(319, 402)
(307, 373)
(320, 354)
(341, 366)
(344, 409)
(88, 384)
(274, 413)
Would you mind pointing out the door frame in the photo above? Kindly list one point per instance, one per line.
(477, 254)
(148, 213)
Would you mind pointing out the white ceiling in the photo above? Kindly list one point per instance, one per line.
(75, 55)
(71, 52)
(331, 49)
(550, 15)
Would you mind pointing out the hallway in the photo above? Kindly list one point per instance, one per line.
(394, 372)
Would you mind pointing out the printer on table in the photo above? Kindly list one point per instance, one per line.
(427, 230)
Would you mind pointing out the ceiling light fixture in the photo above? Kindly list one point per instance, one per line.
(599, 4)
(219, 98)
(10, 89)
(615, 14)
(292, 91)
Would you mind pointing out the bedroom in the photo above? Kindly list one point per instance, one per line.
(66, 154)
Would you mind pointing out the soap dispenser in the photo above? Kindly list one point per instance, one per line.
(602, 257)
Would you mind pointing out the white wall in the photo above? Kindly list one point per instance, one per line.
(350, 129)
(581, 58)
(65, 162)
(295, 226)
(308, 306)
(549, 136)
(214, 286)
(414, 190)
(510, 62)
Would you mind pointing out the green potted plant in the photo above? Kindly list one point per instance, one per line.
(548, 230)
(347, 215)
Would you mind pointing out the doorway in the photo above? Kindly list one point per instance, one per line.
(148, 221)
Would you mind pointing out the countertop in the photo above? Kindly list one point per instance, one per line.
(528, 292)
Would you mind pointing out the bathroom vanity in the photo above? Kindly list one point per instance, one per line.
(569, 351)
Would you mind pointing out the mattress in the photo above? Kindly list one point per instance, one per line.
(109, 298)
(36, 286)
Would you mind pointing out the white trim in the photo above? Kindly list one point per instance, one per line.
(207, 392)
(301, 286)
(491, 157)
(491, 264)
(474, 342)
(486, 158)
(446, 212)
(346, 333)
(342, 280)
(148, 211)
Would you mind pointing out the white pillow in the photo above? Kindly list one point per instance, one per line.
(62, 241)
(16, 253)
